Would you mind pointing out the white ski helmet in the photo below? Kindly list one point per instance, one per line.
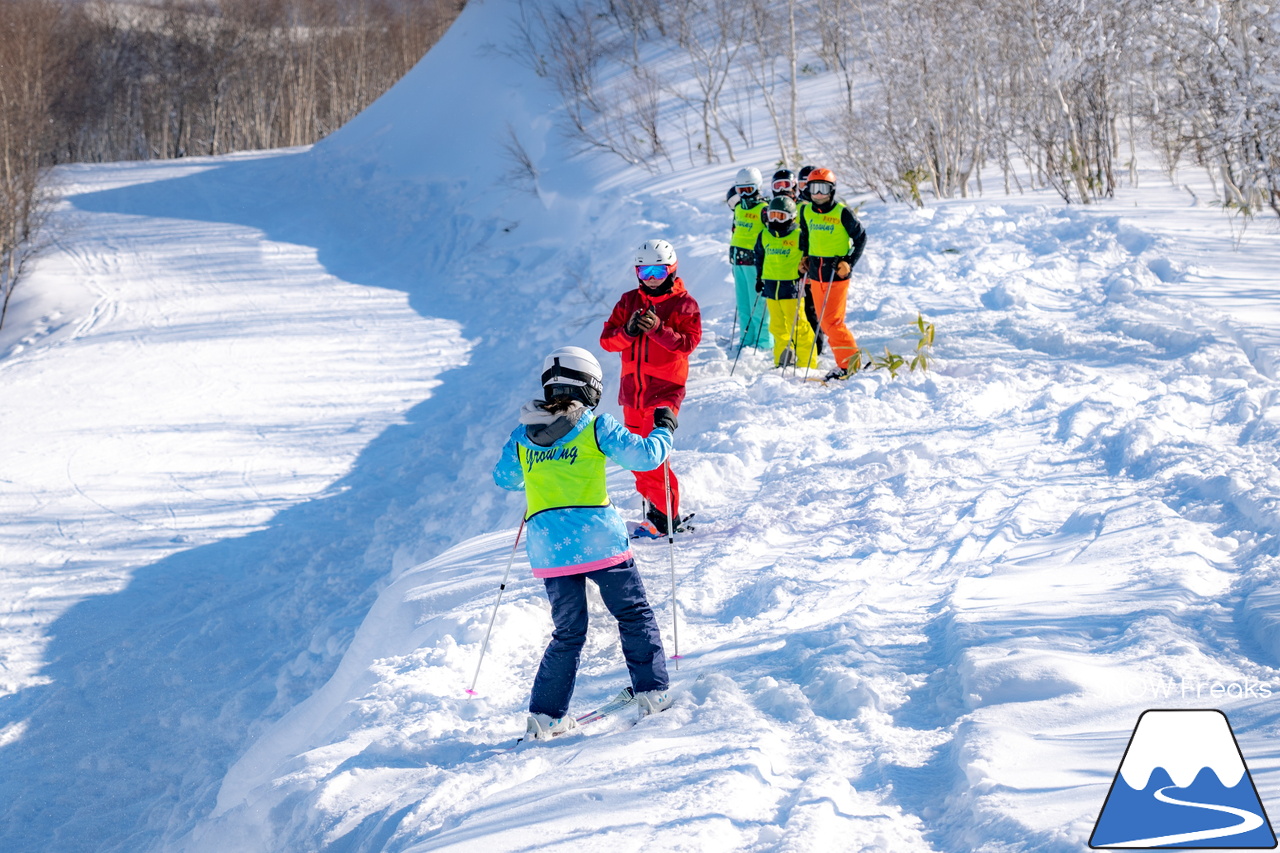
(748, 177)
(655, 252)
(572, 372)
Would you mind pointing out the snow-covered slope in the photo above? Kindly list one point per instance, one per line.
(253, 401)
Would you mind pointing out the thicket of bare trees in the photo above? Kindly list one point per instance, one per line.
(1041, 93)
(1036, 88)
(1213, 95)
(96, 81)
(186, 77)
(24, 94)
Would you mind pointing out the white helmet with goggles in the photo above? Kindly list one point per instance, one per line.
(748, 177)
(572, 372)
(655, 260)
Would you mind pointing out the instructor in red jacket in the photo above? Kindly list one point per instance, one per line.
(654, 328)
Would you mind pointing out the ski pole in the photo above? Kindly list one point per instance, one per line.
(746, 335)
(733, 332)
(671, 553)
(822, 310)
(471, 691)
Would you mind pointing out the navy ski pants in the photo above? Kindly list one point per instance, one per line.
(623, 593)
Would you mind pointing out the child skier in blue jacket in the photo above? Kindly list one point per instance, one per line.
(557, 457)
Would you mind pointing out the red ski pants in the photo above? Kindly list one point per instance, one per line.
(649, 483)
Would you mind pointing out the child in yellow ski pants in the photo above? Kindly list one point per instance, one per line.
(788, 325)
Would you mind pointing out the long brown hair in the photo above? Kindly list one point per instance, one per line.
(558, 405)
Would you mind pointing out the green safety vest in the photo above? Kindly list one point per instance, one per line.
(781, 256)
(568, 475)
(827, 235)
(747, 225)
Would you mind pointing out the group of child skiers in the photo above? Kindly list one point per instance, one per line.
(797, 249)
(792, 254)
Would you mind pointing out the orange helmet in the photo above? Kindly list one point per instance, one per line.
(822, 182)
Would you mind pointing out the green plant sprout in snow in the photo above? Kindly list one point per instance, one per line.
(923, 357)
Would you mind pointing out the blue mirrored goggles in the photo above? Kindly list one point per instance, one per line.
(649, 272)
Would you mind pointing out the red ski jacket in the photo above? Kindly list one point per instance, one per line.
(655, 366)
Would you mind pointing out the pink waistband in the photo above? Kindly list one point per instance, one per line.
(582, 568)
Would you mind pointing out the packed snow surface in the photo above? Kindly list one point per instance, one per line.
(252, 546)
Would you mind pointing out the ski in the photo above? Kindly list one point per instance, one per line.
(625, 699)
(834, 376)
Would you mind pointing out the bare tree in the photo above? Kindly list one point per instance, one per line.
(770, 41)
(567, 44)
(712, 35)
(522, 171)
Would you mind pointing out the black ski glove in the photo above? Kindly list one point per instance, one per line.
(664, 417)
(633, 325)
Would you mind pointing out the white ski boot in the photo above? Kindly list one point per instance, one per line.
(653, 701)
(543, 727)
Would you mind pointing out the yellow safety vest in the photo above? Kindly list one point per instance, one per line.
(567, 475)
(827, 235)
(747, 225)
(781, 256)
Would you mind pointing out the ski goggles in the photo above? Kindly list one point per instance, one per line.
(783, 185)
(649, 272)
(780, 216)
(748, 189)
(821, 188)
(561, 375)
